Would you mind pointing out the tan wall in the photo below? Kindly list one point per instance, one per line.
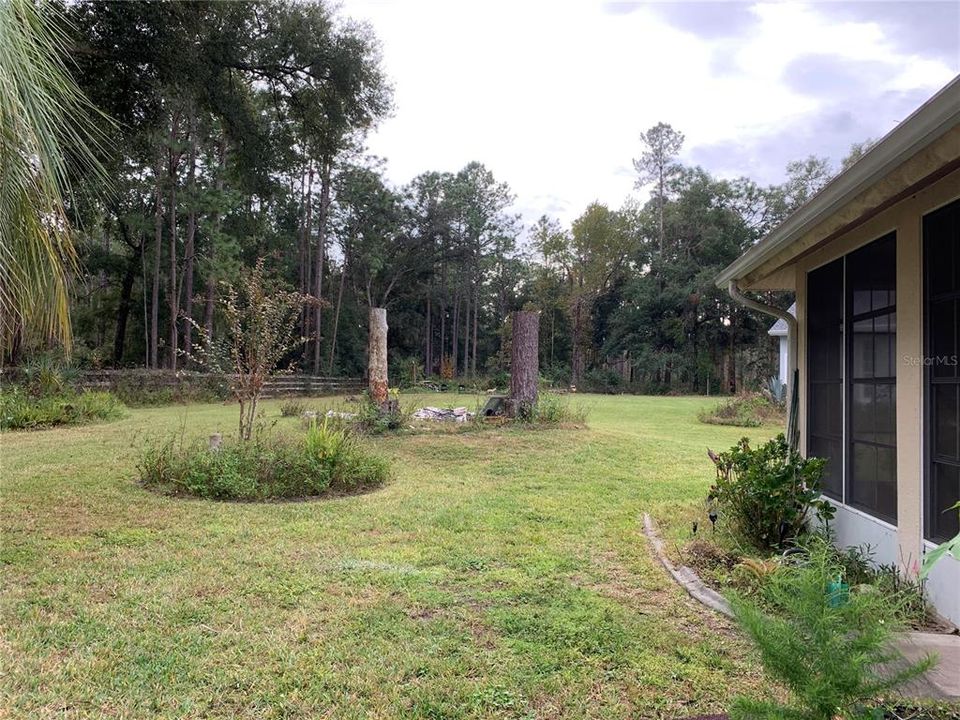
(905, 218)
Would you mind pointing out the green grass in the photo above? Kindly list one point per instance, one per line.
(499, 574)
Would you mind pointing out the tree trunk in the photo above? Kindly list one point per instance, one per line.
(466, 334)
(123, 308)
(306, 236)
(524, 363)
(428, 343)
(454, 336)
(377, 357)
(336, 318)
(174, 300)
(476, 323)
(155, 292)
(189, 247)
(211, 294)
(304, 267)
(210, 302)
(321, 253)
(578, 362)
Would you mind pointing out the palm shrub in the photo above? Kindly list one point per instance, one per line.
(830, 647)
(767, 495)
(47, 137)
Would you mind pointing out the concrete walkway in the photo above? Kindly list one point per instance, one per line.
(942, 682)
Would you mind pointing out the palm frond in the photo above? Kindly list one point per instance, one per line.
(46, 130)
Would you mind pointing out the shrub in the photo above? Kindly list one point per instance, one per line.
(374, 420)
(776, 391)
(292, 408)
(48, 374)
(22, 411)
(496, 379)
(554, 409)
(148, 388)
(767, 495)
(830, 647)
(603, 380)
(858, 568)
(324, 459)
(748, 410)
(555, 375)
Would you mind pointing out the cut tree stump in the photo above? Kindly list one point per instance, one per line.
(377, 365)
(524, 363)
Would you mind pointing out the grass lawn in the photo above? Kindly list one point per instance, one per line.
(500, 574)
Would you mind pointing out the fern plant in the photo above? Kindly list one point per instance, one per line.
(831, 648)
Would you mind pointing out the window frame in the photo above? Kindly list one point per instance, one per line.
(929, 381)
(847, 381)
(850, 318)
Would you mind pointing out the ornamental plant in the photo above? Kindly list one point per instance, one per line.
(950, 547)
(261, 332)
(766, 496)
(828, 644)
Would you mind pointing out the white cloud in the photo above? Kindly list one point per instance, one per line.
(552, 96)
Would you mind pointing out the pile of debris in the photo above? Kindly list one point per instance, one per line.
(335, 414)
(460, 414)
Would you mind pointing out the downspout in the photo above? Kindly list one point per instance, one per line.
(791, 321)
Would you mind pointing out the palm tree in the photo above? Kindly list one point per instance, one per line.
(47, 134)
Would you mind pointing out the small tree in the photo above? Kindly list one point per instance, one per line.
(261, 331)
(829, 645)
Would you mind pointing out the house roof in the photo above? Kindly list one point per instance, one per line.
(779, 328)
(930, 122)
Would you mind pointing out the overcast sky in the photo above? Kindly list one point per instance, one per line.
(552, 96)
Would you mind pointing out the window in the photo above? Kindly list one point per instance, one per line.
(941, 233)
(871, 324)
(825, 369)
(851, 365)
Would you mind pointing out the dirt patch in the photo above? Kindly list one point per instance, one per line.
(710, 561)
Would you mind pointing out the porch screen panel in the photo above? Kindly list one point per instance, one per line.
(825, 372)
(941, 232)
(871, 323)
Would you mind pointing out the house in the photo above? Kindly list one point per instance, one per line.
(779, 330)
(874, 260)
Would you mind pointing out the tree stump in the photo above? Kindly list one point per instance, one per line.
(377, 357)
(524, 363)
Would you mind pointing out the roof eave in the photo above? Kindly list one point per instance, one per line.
(929, 122)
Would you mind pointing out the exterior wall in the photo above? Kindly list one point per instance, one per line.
(853, 528)
(908, 548)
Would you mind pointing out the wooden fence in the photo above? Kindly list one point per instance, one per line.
(186, 383)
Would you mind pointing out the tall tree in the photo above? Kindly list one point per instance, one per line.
(657, 164)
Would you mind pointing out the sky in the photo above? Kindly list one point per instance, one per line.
(552, 96)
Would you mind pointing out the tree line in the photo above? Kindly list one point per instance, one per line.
(234, 132)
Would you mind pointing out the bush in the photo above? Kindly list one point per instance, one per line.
(151, 388)
(555, 375)
(374, 420)
(554, 409)
(829, 645)
(292, 408)
(766, 496)
(325, 459)
(496, 380)
(748, 410)
(603, 380)
(22, 411)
